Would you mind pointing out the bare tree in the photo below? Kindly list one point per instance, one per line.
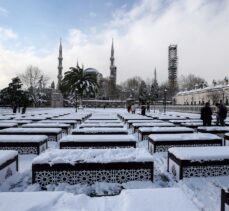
(191, 81)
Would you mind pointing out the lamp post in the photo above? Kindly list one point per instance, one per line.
(165, 92)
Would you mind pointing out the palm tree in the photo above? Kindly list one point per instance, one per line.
(78, 82)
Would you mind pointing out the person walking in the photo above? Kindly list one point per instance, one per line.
(143, 110)
(222, 113)
(133, 109)
(206, 115)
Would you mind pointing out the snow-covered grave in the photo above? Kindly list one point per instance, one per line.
(103, 118)
(162, 142)
(97, 141)
(65, 127)
(179, 121)
(144, 132)
(224, 200)
(101, 124)
(54, 134)
(198, 161)
(100, 130)
(218, 130)
(73, 123)
(130, 122)
(167, 118)
(136, 126)
(89, 166)
(117, 121)
(78, 119)
(159, 199)
(7, 125)
(18, 122)
(8, 164)
(24, 144)
(32, 118)
(126, 117)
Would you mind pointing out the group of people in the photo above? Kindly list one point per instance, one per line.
(131, 109)
(221, 114)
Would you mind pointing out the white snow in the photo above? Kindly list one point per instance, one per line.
(8, 124)
(6, 155)
(165, 129)
(100, 129)
(214, 128)
(22, 138)
(101, 125)
(31, 130)
(96, 138)
(45, 125)
(93, 156)
(160, 124)
(201, 153)
(184, 137)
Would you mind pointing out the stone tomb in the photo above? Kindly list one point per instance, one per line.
(217, 130)
(88, 166)
(162, 142)
(24, 144)
(224, 200)
(144, 132)
(7, 125)
(136, 126)
(100, 131)
(97, 141)
(54, 134)
(65, 127)
(8, 164)
(198, 161)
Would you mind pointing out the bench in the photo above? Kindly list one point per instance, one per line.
(144, 132)
(136, 126)
(64, 127)
(162, 142)
(24, 144)
(8, 164)
(99, 131)
(198, 161)
(97, 141)
(217, 130)
(88, 166)
(54, 134)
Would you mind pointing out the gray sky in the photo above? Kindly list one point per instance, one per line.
(142, 31)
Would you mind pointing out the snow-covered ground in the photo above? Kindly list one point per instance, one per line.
(163, 194)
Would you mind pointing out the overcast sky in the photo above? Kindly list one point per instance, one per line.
(142, 31)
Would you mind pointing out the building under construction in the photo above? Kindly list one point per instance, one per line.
(172, 67)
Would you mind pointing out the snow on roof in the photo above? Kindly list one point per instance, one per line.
(158, 199)
(31, 130)
(22, 138)
(201, 153)
(98, 138)
(73, 156)
(6, 155)
(184, 137)
(166, 129)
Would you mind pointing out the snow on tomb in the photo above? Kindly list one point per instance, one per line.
(224, 199)
(162, 142)
(130, 122)
(18, 122)
(7, 125)
(158, 199)
(134, 117)
(87, 166)
(217, 130)
(8, 164)
(24, 144)
(101, 124)
(97, 141)
(198, 161)
(226, 139)
(32, 118)
(178, 122)
(54, 134)
(167, 118)
(103, 118)
(65, 127)
(79, 120)
(100, 130)
(117, 121)
(135, 126)
(144, 132)
(73, 123)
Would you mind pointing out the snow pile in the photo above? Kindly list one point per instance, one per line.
(93, 156)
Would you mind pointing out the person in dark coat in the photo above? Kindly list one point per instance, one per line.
(143, 110)
(206, 115)
(222, 113)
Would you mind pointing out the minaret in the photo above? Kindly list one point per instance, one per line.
(155, 75)
(113, 72)
(60, 67)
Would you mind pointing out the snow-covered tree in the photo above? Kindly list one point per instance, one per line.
(143, 95)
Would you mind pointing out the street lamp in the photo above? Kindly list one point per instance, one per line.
(165, 92)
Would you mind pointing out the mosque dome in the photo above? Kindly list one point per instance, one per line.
(92, 70)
